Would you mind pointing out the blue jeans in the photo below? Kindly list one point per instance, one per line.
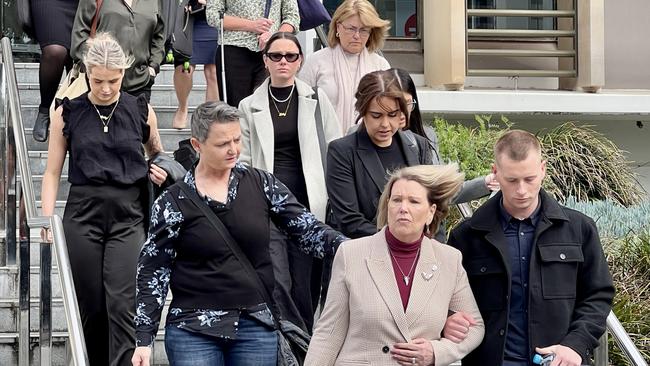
(256, 345)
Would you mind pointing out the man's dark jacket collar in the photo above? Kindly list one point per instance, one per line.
(486, 218)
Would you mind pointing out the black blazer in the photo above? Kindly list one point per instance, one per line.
(355, 178)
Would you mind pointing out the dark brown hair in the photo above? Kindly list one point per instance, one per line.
(377, 85)
(282, 35)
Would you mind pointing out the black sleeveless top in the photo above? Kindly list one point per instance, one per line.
(115, 157)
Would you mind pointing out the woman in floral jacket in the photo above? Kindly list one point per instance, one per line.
(218, 315)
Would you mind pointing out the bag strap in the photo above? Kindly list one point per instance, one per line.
(267, 8)
(232, 245)
(93, 27)
(320, 130)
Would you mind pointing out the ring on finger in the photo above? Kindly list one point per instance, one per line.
(413, 361)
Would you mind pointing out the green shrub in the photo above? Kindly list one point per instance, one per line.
(585, 164)
(613, 219)
(471, 147)
(629, 263)
(581, 162)
(625, 235)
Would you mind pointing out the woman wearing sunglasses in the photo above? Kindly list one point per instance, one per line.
(356, 33)
(280, 134)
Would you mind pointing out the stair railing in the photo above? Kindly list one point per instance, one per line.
(614, 326)
(14, 150)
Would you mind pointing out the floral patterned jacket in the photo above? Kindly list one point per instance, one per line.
(159, 254)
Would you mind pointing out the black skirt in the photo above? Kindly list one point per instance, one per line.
(52, 20)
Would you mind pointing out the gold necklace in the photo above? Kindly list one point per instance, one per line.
(105, 120)
(274, 99)
(281, 114)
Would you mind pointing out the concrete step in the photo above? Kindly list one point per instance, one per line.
(9, 281)
(64, 186)
(164, 113)
(9, 309)
(169, 138)
(160, 94)
(27, 73)
(9, 349)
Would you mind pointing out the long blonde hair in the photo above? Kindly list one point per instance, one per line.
(442, 183)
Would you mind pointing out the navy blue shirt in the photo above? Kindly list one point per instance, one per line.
(519, 235)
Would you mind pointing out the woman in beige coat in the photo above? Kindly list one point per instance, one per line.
(286, 126)
(391, 292)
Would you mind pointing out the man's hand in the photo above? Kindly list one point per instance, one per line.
(564, 356)
(457, 326)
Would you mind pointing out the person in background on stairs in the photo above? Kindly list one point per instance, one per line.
(137, 26)
(204, 52)
(248, 25)
(209, 241)
(282, 134)
(356, 35)
(52, 20)
(103, 131)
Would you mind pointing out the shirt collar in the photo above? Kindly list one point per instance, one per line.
(506, 218)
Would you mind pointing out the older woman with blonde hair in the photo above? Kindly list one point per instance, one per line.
(391, 292)
(356, 33)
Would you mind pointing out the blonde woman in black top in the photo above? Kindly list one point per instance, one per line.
(104, 221)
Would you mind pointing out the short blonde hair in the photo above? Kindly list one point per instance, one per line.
(104, 50)
(516, 144)
(369, 18)
(442, 183)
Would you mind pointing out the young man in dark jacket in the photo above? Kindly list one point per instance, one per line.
(536, 268)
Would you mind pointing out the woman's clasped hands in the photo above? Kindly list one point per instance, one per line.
(417, 352)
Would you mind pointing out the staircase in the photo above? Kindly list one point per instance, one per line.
(163, 99)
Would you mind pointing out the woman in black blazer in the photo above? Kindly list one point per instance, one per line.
(357, 164)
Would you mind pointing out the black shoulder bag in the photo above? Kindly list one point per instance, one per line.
(218, 225)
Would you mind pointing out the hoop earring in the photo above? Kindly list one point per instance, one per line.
(337, 34)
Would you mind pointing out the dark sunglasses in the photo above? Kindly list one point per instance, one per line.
(276, 57)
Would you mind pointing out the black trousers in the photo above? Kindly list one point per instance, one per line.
(244, 72)
(105, 230)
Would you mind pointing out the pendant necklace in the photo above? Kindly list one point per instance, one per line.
(105, 120)
(288, 99)
(405, 277)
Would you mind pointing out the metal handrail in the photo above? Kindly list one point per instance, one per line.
(614, 326)
(30, 218)
(624, 341)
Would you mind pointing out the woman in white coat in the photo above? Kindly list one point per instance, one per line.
(285, 130)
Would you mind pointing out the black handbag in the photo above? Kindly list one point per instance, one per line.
(312, 14)
(179, 29)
